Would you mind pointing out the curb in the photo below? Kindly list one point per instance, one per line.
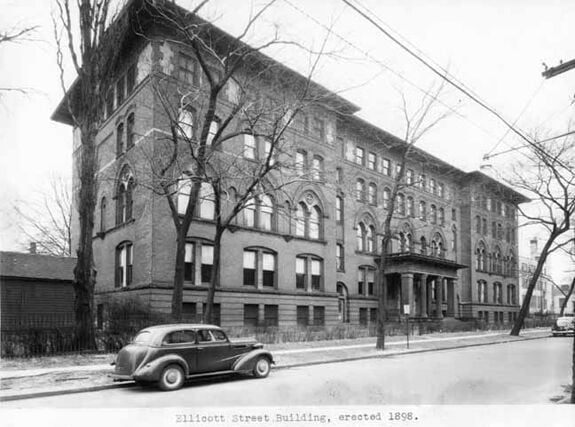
(34, 395)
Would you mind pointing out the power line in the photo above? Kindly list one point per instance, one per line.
(488, 156)
(384, 65)
(451, 82)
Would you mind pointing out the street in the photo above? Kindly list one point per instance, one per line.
(523, 372)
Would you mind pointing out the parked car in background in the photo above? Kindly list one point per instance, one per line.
(563, 326)
(167, 355)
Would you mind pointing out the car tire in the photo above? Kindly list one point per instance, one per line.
(262, 367)
(171, 378)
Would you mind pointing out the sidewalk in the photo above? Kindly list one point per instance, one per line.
(75, 374)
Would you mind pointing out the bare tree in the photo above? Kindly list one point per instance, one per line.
(199, 164)
(93, 47)
(547, 175)
(47, 222)
(417, 123)
(16, 35)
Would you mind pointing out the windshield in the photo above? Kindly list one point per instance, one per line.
(143, 337)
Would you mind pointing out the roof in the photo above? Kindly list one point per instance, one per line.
(509, 192)
(33, 266)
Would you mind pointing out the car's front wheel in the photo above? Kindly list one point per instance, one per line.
(172, 378)
(262, 367)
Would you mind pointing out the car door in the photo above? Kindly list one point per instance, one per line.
(214, 353)
(182, 342)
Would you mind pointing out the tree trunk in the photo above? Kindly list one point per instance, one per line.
(382, 315)
(84, 273)
(567, 296)
(215, 279)
(178, 293)
(573, 373)
(518, 325)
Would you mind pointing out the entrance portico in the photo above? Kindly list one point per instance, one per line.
(427, 284)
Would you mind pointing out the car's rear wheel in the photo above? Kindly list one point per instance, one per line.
(172, 378)
(262, 367)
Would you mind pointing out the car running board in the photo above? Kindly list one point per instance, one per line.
(211, 374)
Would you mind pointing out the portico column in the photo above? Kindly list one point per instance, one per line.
(429, 297)
(407, 291)
(423, 300)
(439, 295)
(450, 296)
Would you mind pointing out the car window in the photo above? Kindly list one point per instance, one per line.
(204, 336)
(180, 337)
(143, 337)
(219, 335)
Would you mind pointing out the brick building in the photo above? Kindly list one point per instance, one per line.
(307, 256)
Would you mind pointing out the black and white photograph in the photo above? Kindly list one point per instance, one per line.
(287, 213)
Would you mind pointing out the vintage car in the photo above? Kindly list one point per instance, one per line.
(167, 355)
(564, 325)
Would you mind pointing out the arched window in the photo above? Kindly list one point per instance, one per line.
(186, 122)
(401, 204)
(433, 212)
(266, 212)
(124, 196)
(317, 168)
(130, 140)
(308, 221)
(497, 261)
(372, 194)
(441, 213)
(370, 238)
(360, 190)
(250, 213)
(314, 223)
(410, 207)
(386, 197)
(360, 233)
(300, 215)
(480, 254)
(437, 246)
(422, 211)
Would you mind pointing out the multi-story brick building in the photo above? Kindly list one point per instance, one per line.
(308, 257)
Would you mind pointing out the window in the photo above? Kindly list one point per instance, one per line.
(183, 194)
(498, 293)
(437, 246)
(422, 182)
(300, 161)
(441, 214)
(510, 294)
(130, 131)
(271, 317)
(214, 127)
(300, 219)
(454, 215)
(302, 313)
(109, 102)
(251, 314)
(484, 226)
(432, 187)
(363, 316)
(103, 215)
(372, 194)
(410, 207)
(433, 212)
(269, 148)
(309, 272)
(365, 237)
(339, 209)
(480, 254)
(482, 291)
(314, 223)
(318, 315)
(259, 212)
(478, 224)
(339, 257)
(207, 201)
(386, 197)
(308, 220)
(371, 161)
(423, 245)
(386, 167)
(318, 128)
(409, 176)
(250, 268)
(189, 263)
(360, 235)
(370, 238)
(124, 197)
(186, 123)
(187, 69)
(441, 190)
(124, 257)
(359, 155)
(373, 315)
(397, 169)
(207, 258)
(120, 92)
(216, 313)
(339, 175)
(366, 280)
(499, 231)
(268, 269)
(360, 190)
(317, 168)
(119, 139)
(400, 204)
(422, 211)
(249, 146)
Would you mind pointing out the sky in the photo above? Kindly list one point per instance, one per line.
(495, 48)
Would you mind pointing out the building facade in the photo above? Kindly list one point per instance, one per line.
(542, 301)
(307, 255)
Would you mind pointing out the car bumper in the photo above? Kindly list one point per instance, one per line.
(119, 377)
(565, 332)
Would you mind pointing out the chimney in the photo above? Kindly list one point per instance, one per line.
(32, 249)
(533, 247)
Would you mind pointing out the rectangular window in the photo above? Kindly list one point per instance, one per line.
(251, 312)
(386, 167)
(318, 315)
(441, 190)
(250, 268)
(373, 315)
(338, 209)
(271, 317)
(363, 316)
(300, 161)
(316, 274)
(207, 263)
(269, 268)
(359, 155)
(300, 273)
(339, 175)
(318, 128)
(249, 146)
(189, 262)
(370, 279)
(302, 313)
(340, 257)
(189, 312)
(360, 281)
(409, 177)
(371, 161)
(187, 69)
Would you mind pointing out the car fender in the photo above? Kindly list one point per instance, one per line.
(248, 360)
(151, 371)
